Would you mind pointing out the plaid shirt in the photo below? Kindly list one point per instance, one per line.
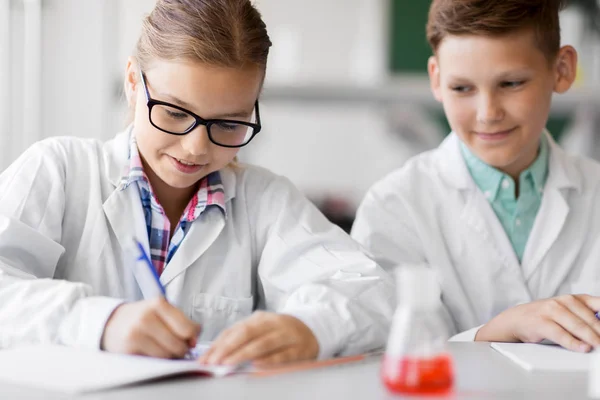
(162, 247)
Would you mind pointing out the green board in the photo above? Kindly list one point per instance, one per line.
(409, 47)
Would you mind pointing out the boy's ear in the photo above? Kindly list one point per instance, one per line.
(433, 68)
(565, 69)
(131, 81)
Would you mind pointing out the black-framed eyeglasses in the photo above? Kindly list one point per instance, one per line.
(176, 120)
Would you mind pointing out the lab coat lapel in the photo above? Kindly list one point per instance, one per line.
(124, 212)
(482, 229)
(552, 215)
(123, 208)
(547, 227)
(477, 214)
(203, 232)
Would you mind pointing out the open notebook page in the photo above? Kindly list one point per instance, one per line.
(73, 370)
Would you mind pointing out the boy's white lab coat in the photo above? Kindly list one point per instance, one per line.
(431, 212)
(63, 226)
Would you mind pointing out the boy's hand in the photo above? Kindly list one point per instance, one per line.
(151, 328)
(569, 321)
(264, 338)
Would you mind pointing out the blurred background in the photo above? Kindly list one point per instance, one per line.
(346, 98)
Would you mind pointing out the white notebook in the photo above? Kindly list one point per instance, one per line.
(73, 370)
(539, 357)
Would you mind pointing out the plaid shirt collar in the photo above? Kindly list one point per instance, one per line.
(210, 192)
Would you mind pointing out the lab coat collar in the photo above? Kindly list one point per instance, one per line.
(562, 174)
(116, 157)
(453, 169)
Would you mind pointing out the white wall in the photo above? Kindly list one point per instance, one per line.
(332, 41)
(327, 148)
(64, 85)
(5, 99)
(79, 43)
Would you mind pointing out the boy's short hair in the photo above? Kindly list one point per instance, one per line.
(496, 18)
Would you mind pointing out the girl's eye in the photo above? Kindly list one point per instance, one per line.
(227, 126)
(176, 115)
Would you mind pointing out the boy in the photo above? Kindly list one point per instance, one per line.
(506, 218)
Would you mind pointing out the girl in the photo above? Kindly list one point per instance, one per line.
(226, 239)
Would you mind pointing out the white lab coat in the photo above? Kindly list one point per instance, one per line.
(63, 226)
(431, 212)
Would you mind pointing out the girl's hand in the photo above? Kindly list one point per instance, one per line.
(569, 321)
(150, 328)
(266, 339)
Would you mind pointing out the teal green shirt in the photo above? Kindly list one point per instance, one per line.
(516, 215)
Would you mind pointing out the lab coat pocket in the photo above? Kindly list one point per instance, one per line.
(590, 287)
(216, 313)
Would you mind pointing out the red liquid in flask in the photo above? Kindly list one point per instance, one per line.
(418, 376)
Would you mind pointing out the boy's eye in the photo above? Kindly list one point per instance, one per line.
(461, 89)
(512, 84)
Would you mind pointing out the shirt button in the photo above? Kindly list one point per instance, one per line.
(518, 222)
(505, 184)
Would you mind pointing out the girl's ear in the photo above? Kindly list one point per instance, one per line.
(131, 81)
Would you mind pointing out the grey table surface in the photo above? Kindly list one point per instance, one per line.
(481, 373)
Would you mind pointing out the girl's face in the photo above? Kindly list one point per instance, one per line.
(209, 92)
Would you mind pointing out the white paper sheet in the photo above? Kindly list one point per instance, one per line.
(73, 370)
(539, 357)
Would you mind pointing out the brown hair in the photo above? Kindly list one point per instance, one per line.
(227, 33)
(496, 18)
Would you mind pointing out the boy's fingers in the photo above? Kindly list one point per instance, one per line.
(578, 307)
(570, 322)
(556, 333)
(592, 302)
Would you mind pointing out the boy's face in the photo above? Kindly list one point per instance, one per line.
(496, 93)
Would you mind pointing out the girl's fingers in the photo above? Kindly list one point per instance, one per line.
(260, 347)
(285, 355)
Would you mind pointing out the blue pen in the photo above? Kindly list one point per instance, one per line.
(146, 275)
(149, 281)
